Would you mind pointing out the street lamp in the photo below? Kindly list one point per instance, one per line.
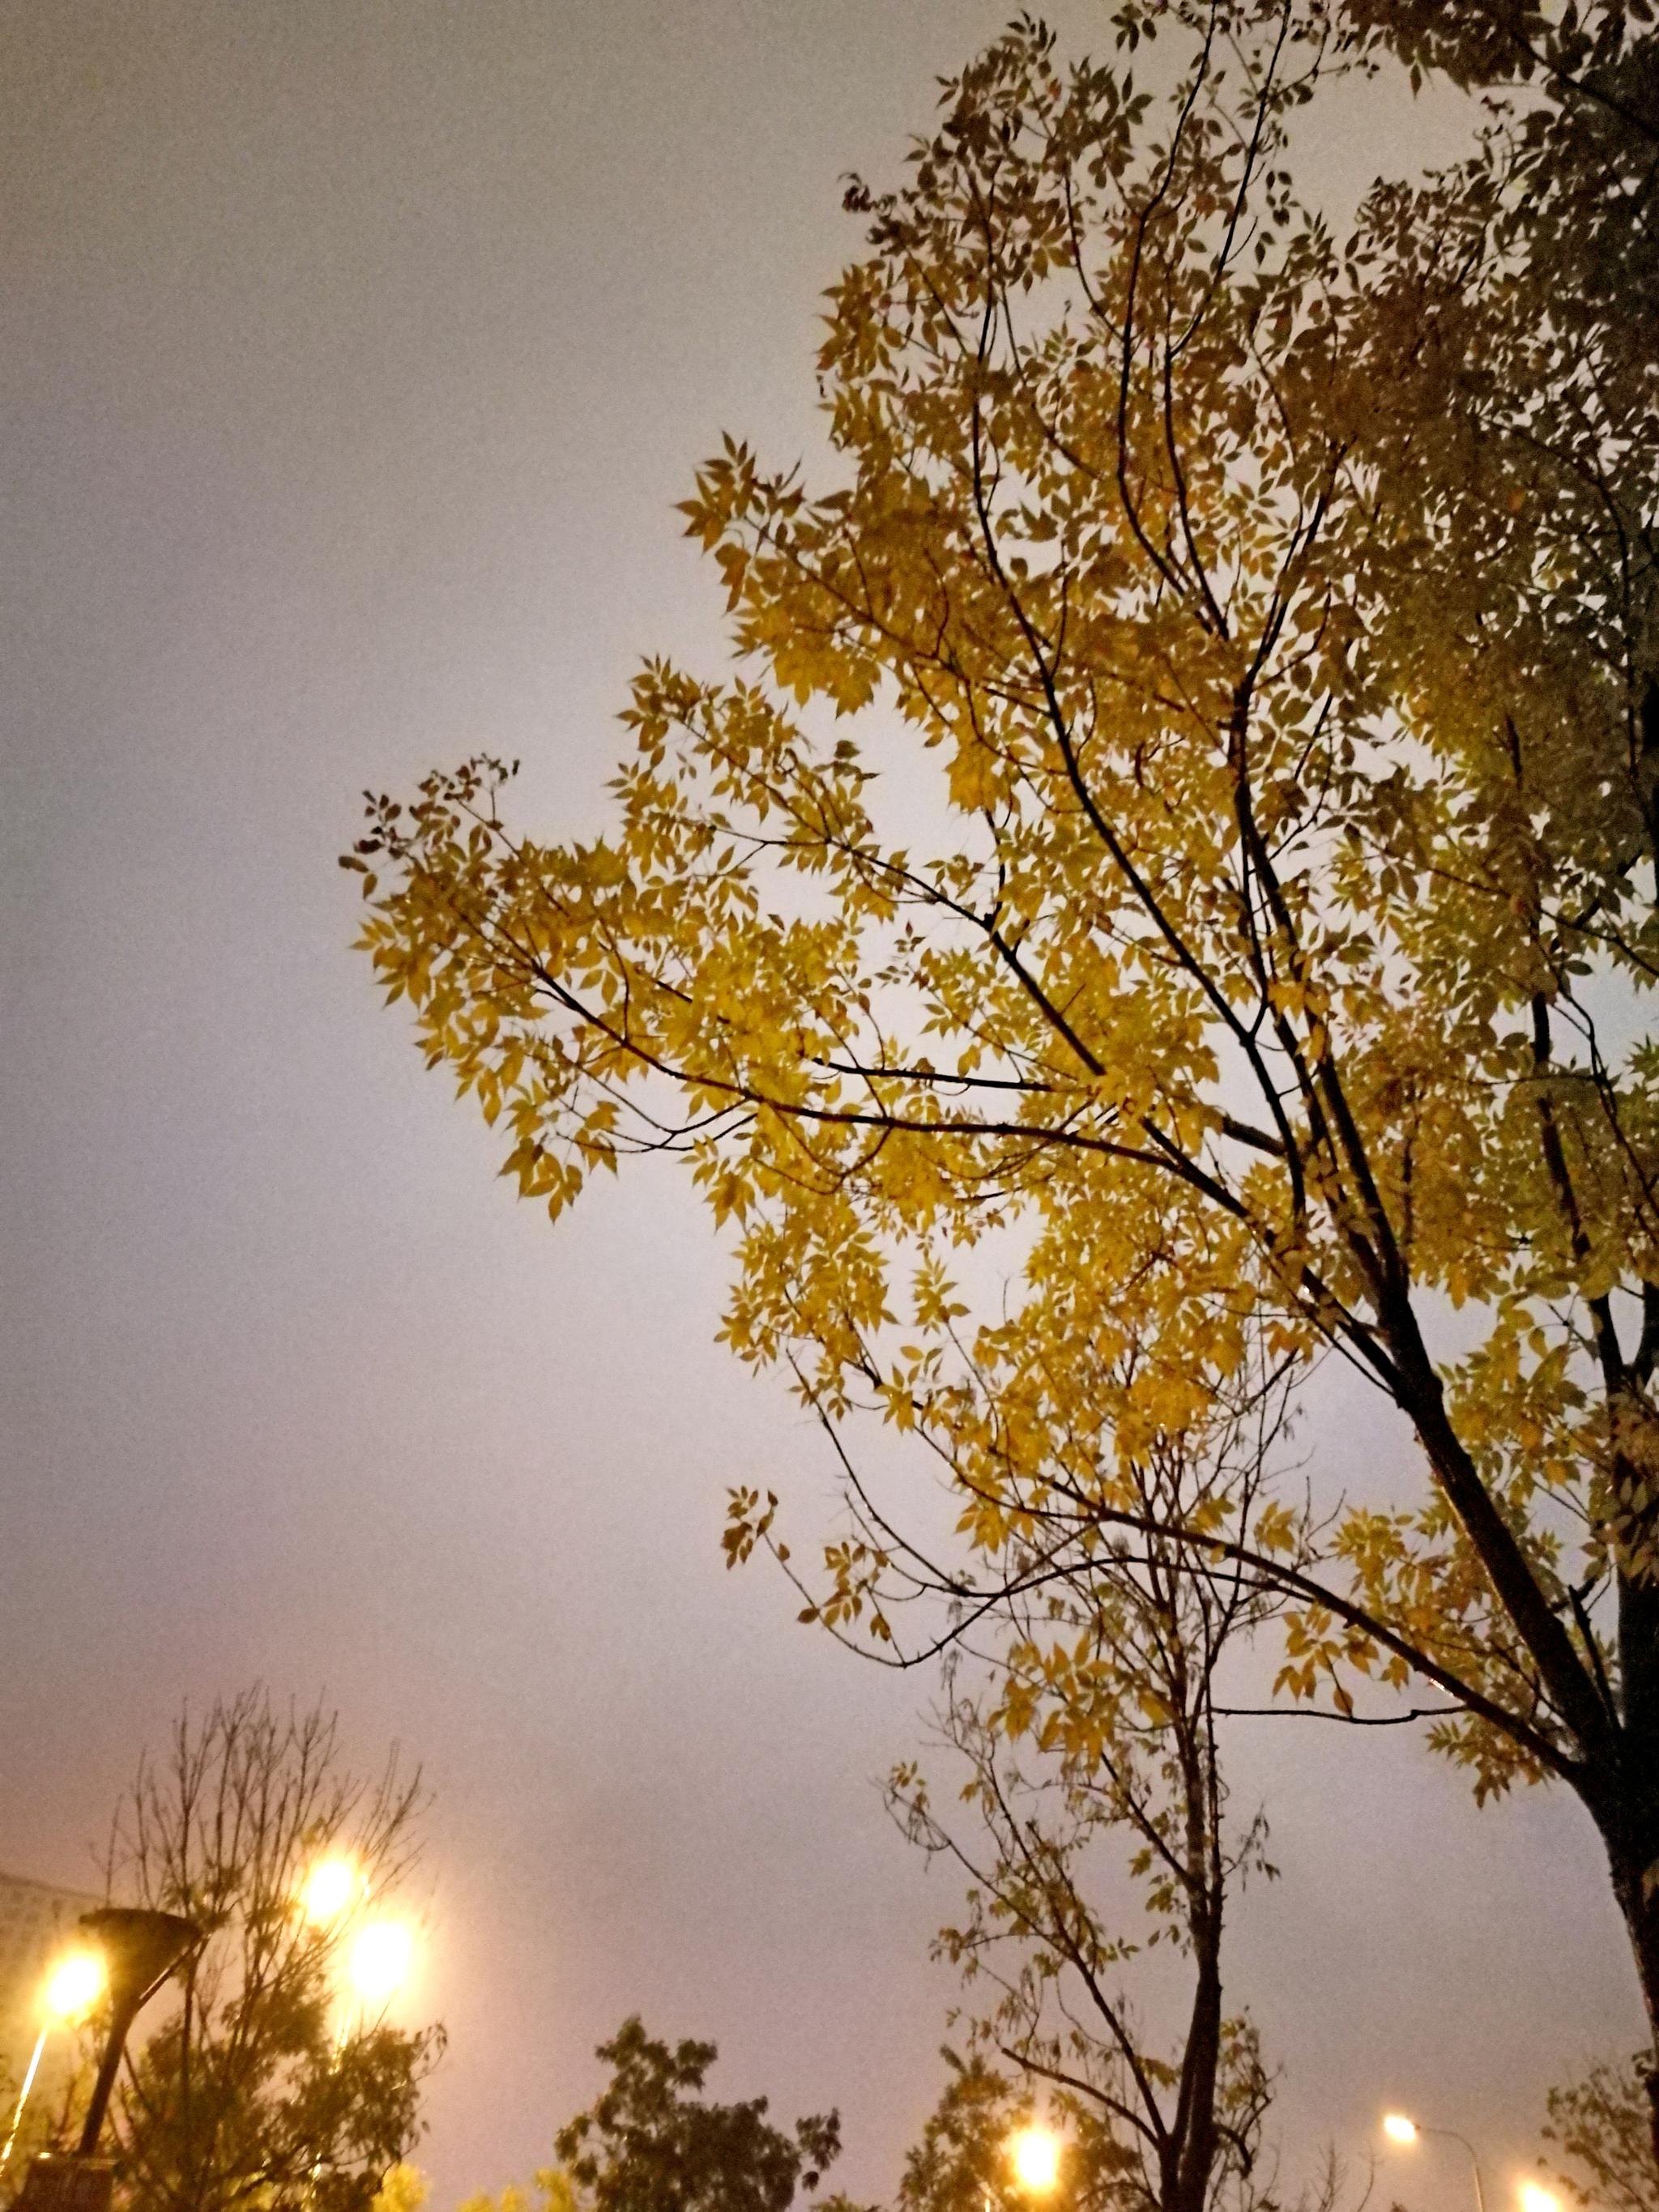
(136, 1949)
(140, 1949)
(377, 1965)
(378, 1960)
(73, 1987)
(1535, 2197)
(1400, 2128)
(330, 1889)
(1034, 2153)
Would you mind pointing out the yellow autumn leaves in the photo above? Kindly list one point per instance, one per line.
(1238, 985)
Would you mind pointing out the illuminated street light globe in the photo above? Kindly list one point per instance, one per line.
(1535, 2197)
(378, 1960)
(1034, 2151)
(1398, 2129)
(75, 1985)
(329, 1890)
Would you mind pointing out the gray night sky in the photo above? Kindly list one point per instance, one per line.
(353, 354)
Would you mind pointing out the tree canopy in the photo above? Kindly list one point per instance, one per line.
(1599, 2129)
(266, 2085)
(1178, 846)
(651, 2142)
(1097, 1834)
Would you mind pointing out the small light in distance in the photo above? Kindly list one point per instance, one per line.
(75, 1985)
(1035, 2153)
(1535, 2197)
(1398, 2129)
(329, 1890)
(379, 1959)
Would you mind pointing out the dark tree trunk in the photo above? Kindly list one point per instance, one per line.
(1632, 1838)
(1192, 2147)
(1637, 1889)
(1622, 1794)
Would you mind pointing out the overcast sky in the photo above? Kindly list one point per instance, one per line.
(353, 355)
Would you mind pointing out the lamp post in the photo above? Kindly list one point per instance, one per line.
(138, 1949)
(1403, 2130)
(141, 1948)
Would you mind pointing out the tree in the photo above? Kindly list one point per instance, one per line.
(961, 2163)
(651, 2143)
(962, 2155)
(1599, 2127)
(404, 2190)
(552, 2194)
(1106, 1667)
(266, 2086)
(1181, 841)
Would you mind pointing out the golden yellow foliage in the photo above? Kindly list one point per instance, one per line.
(1180, 837)
(404, 2189)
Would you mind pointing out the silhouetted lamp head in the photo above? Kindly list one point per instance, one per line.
(139, 1948)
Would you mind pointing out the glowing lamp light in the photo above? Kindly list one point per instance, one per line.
(75, 1984)
(1535, 2197)
(1398, 2129)
(378, 1961)
(1034, 2153)
(329, 1890)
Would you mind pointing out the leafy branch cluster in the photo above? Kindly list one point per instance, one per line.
(1168, 894)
